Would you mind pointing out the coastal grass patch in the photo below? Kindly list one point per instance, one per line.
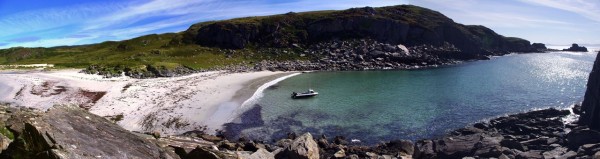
(4, 131)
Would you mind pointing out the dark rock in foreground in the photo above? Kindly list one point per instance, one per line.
(71, 132)
(591, 103)
(576, 48)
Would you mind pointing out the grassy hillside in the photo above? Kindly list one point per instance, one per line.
(146, 50)
(169, 50)
(276, 37)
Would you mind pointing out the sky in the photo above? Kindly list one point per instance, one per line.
(46, 23)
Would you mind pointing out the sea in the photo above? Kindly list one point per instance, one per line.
(378, 106)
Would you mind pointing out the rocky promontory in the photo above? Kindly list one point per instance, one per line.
(404, 24)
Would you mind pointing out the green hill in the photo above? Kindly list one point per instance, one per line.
(244, 41)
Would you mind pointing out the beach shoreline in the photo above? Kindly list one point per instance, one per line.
(174, 105)
(230, 110)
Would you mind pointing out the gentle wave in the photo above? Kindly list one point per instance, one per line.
(567, 119)
(259, 92)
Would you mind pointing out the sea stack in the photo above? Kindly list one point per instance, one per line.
(591, 103)
(576, 48)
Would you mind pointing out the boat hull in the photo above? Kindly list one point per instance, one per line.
(303, 96)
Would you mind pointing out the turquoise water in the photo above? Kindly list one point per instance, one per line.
(375, 106)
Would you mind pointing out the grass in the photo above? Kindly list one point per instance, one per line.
(4, 131)
(147, 50)
(174, 50)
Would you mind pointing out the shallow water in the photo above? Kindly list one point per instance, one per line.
(375, 106)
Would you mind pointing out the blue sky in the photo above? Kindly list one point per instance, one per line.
(34, 23)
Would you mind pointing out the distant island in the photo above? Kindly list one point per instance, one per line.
(395, 37)
(576, 48)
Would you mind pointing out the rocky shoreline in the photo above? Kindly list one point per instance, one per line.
(536, 134)
(333, 55)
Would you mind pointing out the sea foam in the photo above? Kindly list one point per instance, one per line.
(259, 92)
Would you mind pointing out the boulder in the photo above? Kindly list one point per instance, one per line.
(340, 154)
(578, 138)
(259, 154)
(533, 154)
(424, 149)
(71, 132)
(403, 147)
(303, 147)
(512, 144)
(568, 155)
(404, 49)
(469, 145)
(588, 149)
(557, 152)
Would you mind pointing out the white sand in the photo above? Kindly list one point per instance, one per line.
(169, 105)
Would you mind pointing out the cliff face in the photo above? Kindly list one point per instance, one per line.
(405, 24)
(591, 103)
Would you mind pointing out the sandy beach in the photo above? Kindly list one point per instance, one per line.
(168, 105)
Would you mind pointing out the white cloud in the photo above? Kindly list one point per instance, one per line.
(490, 13)
(587, 8)
(134, 18)
(142, 11)
(37, 20)
(189, 12)
(49, 42)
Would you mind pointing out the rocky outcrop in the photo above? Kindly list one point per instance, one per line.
(539, 47)
(404, 24)
(527, 135)
(591, 103)
(576, 48)
(303, 147)
(365, 54)
(144, 71)
(71, 132)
